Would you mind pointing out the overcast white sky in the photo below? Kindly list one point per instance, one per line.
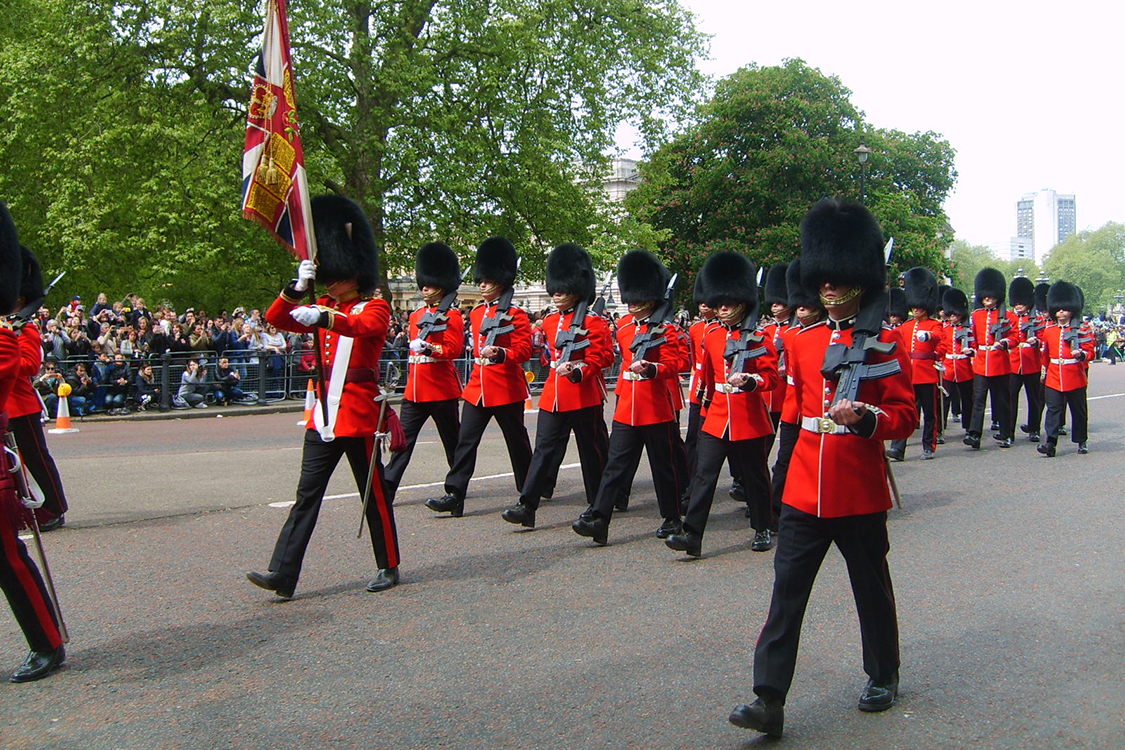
(1030, 94)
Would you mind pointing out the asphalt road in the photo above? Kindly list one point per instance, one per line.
(1007, 569)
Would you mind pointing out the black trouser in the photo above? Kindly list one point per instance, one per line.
(787, 434)
(680, 462)
(413, 414)
(691, 440)
(1079, 416)
(926, 402)
(802, 543)
(552, 433)
(473, 421)
(318, 460)
(32, 443)
(995, 388)
(750, 456)
(25, 591)
(961, 394)
(625, 444)
(1033, 386)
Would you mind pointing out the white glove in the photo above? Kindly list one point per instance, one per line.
(417, 345)
(306, 273)
(307, 315)
(922, 336)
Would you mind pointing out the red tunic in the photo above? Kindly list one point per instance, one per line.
(737, 414)
(842, 474)
(23, 399)
(991, 356)
(695, 352)
(433, 376)
(789, 411)
(1066, 368)
(958, 364)
(562, 394)
(1025, 357)
(363, 319)
(675, 386)
(775, 399)
(499, 383)
(925, 354)
(644, 401)
(10, 362)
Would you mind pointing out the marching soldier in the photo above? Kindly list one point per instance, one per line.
(922, 339)
(738, 366)
(644, 417)
(993, 331)
(944, 395)
(19, 576)
(580, 347)
(807, 311)
(437, 339)
(496, 389)
(837, 490)
(25, 409)
(896, 305)
(777, 298)
(958, 375)
(352, 327)
(1026, 365)
(1067, 350)
(696, 332)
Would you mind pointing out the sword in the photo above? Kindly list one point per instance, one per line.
(376, 452)
(31, 503)
(892, 483)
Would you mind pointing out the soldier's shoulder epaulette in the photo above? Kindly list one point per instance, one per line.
(813, 327)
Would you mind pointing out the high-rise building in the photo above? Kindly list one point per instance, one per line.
(1044, 219)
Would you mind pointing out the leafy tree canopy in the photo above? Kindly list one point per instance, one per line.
(769, 144)
(122, 123)
(1095, 261)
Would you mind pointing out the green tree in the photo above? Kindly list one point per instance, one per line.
(1095, 261)
(770, 143)
(449, 120)
(968, 260)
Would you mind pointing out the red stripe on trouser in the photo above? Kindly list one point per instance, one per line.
(380, 499)
(27, 581)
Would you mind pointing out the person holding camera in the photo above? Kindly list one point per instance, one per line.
(191, 385)
(227, 380)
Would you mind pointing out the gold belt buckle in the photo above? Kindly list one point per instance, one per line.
(825, 425)
(728, 388)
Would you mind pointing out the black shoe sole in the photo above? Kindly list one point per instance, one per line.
(745, 722)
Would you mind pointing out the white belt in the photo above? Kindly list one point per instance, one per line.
(1026, 345)
(419, 359)
(988, 347)
(956, 356)
(822, 425)
(1063, 361)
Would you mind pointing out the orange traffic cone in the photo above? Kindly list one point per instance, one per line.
(310, 405)
(528, 405)
(62, 423)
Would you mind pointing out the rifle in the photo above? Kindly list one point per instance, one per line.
(1032, 328)
(961, 335)
(599, 303)
(848, 364)
(567, 341)
(1000, 328)
(653, 336)
(746, 347)
(1074, 337)
(25, 314)
(436, 321)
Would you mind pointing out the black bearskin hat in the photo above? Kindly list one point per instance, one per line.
(11, 263)
(989, 283)
(569, 271)
(1022, 292)
(436, 265)
(31, 285)
(345, 243)
(641, 277)
(1041, 296)
(842, 243)
(798, 295)
(920, 286)
(496, 261)
(954, 302)
(729, 278)
(776, 291)
(698, 293)
(1064, 296)
(896, 303)
(941, 290)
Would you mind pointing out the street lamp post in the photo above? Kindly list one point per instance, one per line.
(862, 153)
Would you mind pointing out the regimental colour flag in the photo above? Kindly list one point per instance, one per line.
(275, 191)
